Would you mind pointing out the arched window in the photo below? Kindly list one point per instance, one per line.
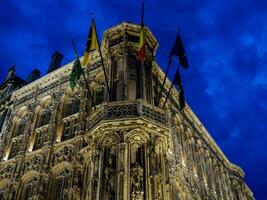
(19, 128)
(40, 131)
(72, 107)
(59, 185)
(14, 149)
(44, 117)
(31, 189)
(133, 78)
(99, 95)
(70, 127)
(7, 190)
(39, 139)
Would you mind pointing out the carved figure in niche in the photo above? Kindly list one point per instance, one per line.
(153, 159)
(137, 178)
(110, 175)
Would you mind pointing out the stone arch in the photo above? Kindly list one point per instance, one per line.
(32, 185)
(70, 104)
(137, 135)
(60, 180)
(4, 183)
(109, 139)
(60, 167)
(44, 103)
(21, 114)
(42, 117)
(8, 189)
(68, 95)
(99, 78)
(29, 175)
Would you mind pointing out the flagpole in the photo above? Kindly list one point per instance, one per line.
(86, 82)
(104, 70)
(142, 62)
(167, 96)
(181, 88)
(101, 58)
(164, 81)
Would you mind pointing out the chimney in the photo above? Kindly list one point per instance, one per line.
(11, 73)
(55, 63)
(34, 75)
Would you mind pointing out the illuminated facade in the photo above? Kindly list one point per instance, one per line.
(56, 146)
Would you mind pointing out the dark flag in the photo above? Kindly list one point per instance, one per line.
(76, 73)
(179, 51)
(177, 78)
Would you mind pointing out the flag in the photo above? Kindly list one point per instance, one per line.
(76, 73)
(142, 38)
(177, 78)
(92, 42)
(179, 51)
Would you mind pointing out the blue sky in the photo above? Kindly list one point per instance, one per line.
(226, 43)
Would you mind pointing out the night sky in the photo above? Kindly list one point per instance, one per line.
(226, 43)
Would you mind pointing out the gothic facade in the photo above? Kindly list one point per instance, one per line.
(55, 145)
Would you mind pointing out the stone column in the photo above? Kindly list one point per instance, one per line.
(218, 180)
(97, 175)
(125, 78)
(122, 172)
(147, 174)
(211, 174)
(89, 177)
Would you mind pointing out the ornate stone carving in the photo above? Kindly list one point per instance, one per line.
(65, 153)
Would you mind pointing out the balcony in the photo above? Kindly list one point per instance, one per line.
(127, 110)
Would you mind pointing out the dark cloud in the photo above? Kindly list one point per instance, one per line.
(226, 42)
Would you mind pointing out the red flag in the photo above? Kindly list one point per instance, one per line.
(142, 39)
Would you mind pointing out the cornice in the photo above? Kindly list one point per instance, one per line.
(194, 119)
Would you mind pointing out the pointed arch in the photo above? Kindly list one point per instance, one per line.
(137, 136)
(29, 175)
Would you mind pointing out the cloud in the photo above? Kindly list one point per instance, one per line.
(226, 43)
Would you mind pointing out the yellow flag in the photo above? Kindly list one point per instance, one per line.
(92, 43)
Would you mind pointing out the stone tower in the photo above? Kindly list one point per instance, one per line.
(56, 146)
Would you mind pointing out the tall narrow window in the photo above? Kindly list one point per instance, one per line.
(39, 140)
(27, 192)
(113, 80)
(19, 128)
(99, 95)
(44, 118)
(14, 149)
(133, 65)
(30, 189)
(72, 107)
(70, 127)
(60, 183)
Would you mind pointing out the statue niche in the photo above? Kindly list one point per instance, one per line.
(109, 173)
(137, 164)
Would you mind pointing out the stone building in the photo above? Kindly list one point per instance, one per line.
(57, 146)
